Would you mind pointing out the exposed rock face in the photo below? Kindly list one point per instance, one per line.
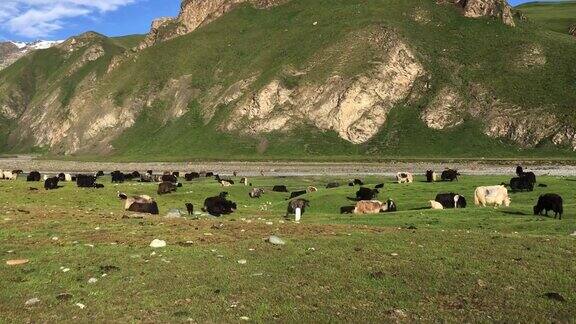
(488, 8)
(10, 52)
(196, 13)
(356, 108)
(445, 111)
(528, 128)
(572, 30)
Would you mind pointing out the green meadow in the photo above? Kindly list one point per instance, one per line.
(474, 264)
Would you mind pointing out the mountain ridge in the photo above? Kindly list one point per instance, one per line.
(271, 80)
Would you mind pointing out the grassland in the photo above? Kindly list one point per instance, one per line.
(557, 16)
(477, 264)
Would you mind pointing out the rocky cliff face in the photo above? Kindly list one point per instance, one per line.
(196, 13)
(354, 107)
(572, 30)
(487, 8)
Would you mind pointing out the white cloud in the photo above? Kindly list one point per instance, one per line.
(40, 18)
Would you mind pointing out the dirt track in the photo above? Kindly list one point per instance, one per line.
(28, 163)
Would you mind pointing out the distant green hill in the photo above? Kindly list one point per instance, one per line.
(416, 78)
(557, 16)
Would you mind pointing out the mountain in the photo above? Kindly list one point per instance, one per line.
(10, 52)
(558, 16)
(297, 79)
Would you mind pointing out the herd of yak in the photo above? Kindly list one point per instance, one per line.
(366, 202)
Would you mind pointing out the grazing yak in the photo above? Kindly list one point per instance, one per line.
(527, 176)
(219, 205)
(435, 205)
(449, 175)
(404, 177)
(256, 193)
(491, 195)
(139, 204)
(521, 184)
(549, 202)
(295, 204)
(430, 176)
(190, 209)
(117, 177)
(451, 200)
(356, 182)
(166, 187)
(366, 193)
(191, 176)
(295, 194)
(34, 176)
(379, 186)
(146, 177)
(51, 183)
(280, 188)
(225, 183)
(87, 181)
(169, 178)
(99, 174)
(332, 185)
(209, 174)
(374, 207)
(8, 175)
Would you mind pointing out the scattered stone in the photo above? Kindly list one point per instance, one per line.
(269, 223)
(555, 296)
(32, 301)
(573, 234)
(273, 239)
(82, 306)
(217, 227)
(156, 243)
(92, 280)
(174, 213)
(64, 296)
(242, 261)
(65, 269)
(54, 238)
(481, 283)
(398, 313)
(394, 254)
(17, 262)
(244, 318)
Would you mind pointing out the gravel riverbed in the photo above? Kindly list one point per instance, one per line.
(29, 163)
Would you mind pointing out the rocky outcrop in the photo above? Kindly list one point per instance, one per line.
(446, 110)
(488, 8)
(356, 108)
(526, 127)
(194, 14)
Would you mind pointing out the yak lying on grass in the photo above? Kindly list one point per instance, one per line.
(219, 205)
(295, 204)
(139, 204)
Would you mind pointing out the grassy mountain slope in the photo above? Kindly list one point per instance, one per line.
(455, 51)
(556, 16)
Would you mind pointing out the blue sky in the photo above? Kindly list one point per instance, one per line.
(26, 20)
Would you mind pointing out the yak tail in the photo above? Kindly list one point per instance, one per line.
(476, 200)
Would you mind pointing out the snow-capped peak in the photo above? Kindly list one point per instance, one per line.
(19, 44)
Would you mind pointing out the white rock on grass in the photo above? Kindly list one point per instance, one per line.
(242, 261)
(32, 301)
(92, 280)
(156, 243)
(573, 234)
(82, 306)
(276, 240)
